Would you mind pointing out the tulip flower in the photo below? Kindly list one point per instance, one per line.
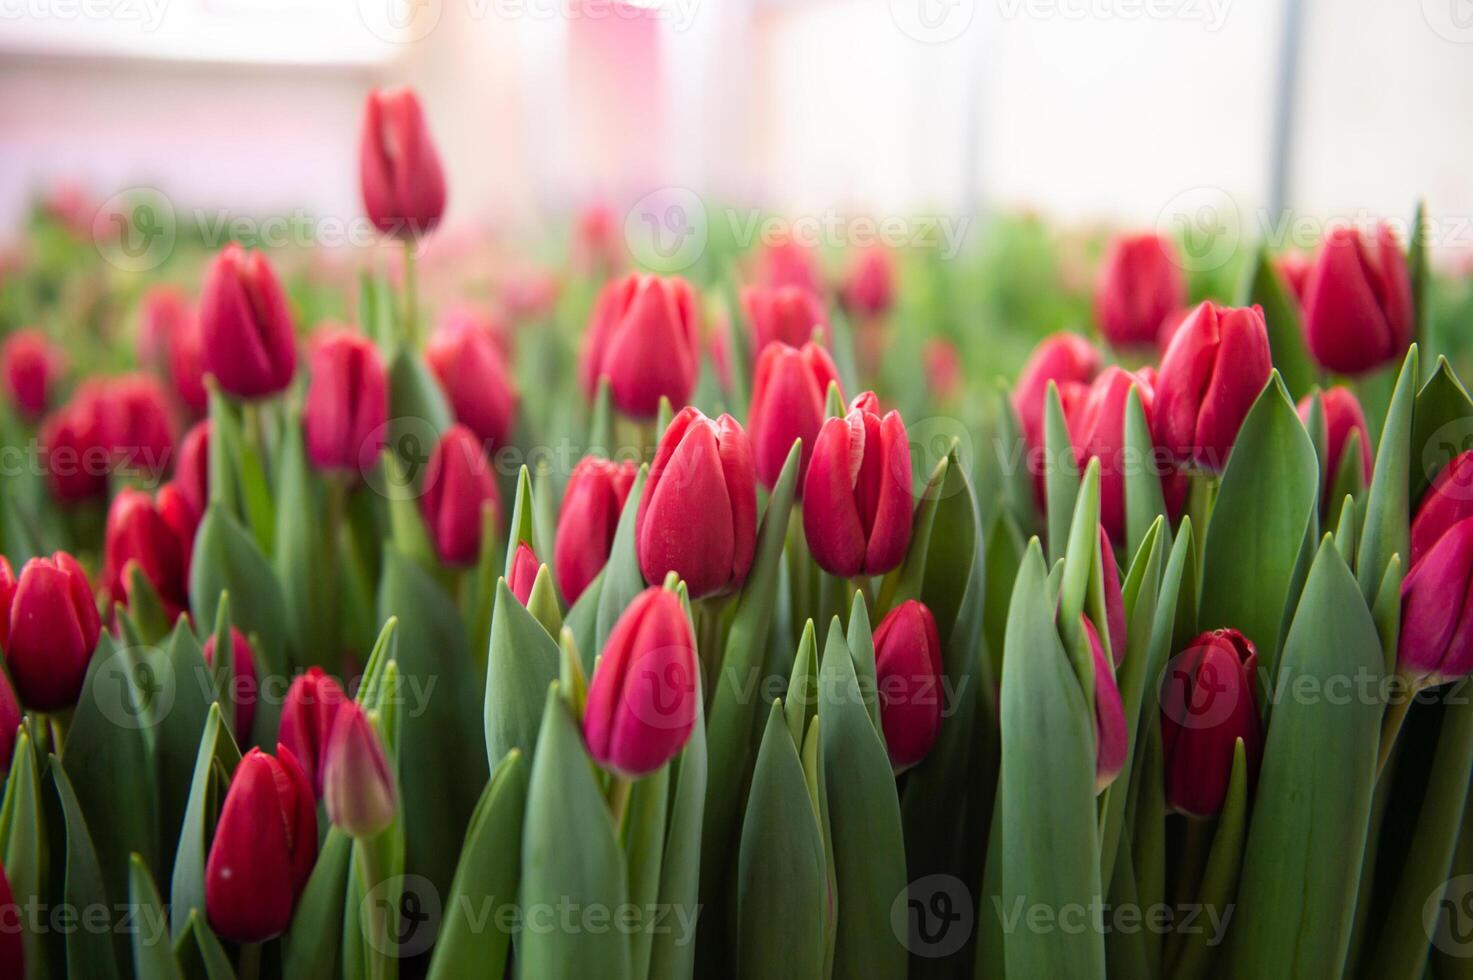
(139, 534)
(243, 680)
(1294, 268)
(858, 492)
(52, 632)
(1111, 737)
(460, 316)
(137, 425)
(788, 396)
(1062, 358)
(192, 466)
(357, 784)
(1140, 284)
(1216, 366)
(187, 365)
(458, 485)
(162, 312)
(1343, 416)
(263, 850)
(245, 325)
(643, 337)
(1114, 599)
(347, 404)
(1097, 431)
(10, 711)
(943, 368)
(592, 503)
(1436, 643)
(908, 674)
(403, 183)
(868, 289)
(480, 389)
(787, 263)
(524, 566)
(698, 513)
(1206, 706)
(1358, 310)
(307, 717)
(642, 699)
(76, 458)
(789, 314)
(598, 247)
(32, 366)
(1448, 501)
(12, 946)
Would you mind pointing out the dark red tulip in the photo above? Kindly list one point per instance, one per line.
(307, 717)
(243, 685)
(908, 675)
(347, 404)
(179, 513)
(1097, 430)
(1140, 285)
(1358, 301)
(480, 389)
(1112, 740)
(458, 485)
(789, 314)
(33, 365)
(76, 458)
(1342, 417)
(1448, 501)
(788, 396)
(1206, 706)
(263, 850)
(642, 699)
(1062, 358)
(10, 710)
(12, 946)
(138, 533)
(868, 289)
(403, 183)
(245, 325)
(586, 523)
(524, 566)
(698, 513)
(53, 631)
(1114, 600)
(1214, 370)
(357, 783)
(162, 311)
(858, 493)
(192, 466)
(137, 425)
(1436, 643)
(643, 337)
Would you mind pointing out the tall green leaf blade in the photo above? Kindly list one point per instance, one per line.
(522, 662)
(153, 954)
(1265, 288)
(1385, 530)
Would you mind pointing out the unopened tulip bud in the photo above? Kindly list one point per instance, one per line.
(1358, 311)
(10, 712)
(1097, 431)
(908, 680)
(1448, 501)
(788, 395)
(1114, 599)
(943, 368)
(307, 717)
(1294, 268)
(245, 325)
(857, 493)
(138, 534)
(1343, 416)
(53, 631)
(347, 402)
(587, 521)
(357, 784)
(1436, 643)
(524, 566)
(789, 263)
(137, 425)
(77, 459)
(263, 850)
(243, 680)
(162, 312)
(1140, 285)
(698, 512)
(187, 365)
(643, 337)
(1214, 370)
(869, 284)
(192, 466)
(481, 391)
(402, 181)
(1112, 740)
(458, 485)
(1062, 358)
(789, 314)
(32, 365)
(642, 699)
(1206, 707)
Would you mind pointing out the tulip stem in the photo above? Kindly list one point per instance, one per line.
(337, 499)
(411, 297)
(248, 964)
(1202, 495)
(378, 941)
(619, 789)
(1396, 715)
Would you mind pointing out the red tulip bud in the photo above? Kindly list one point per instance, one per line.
(787, 263)
(77, 460)
(10, 713)
(403, 183)
(1097, 430)
(138, 533)
(788, 396)
(307, 717)
(1061, 358)
(243, 680)
(53, 631)
(481, 391)
(643, 337)
(137, 425)
(1111, 738)
(943, 368)
(908, 675)
(599, 245)
(162, 312)
(1214, 370)
(33, 366)
(789, 314)
(347, 402)
(264, 846)
(1342, 417)
(1114, 600)
(192, 466)
(187, 364)
(858, 493)
(1206, 706)
(524, 566)
(698, 512)
(1358, 301)
(642, 699)
(869, 285)
(1436, 642)
(1140, 285)
(357, 783)
(12, 946)
(1294, 267)
(245, 325)
(1448, 501)
(586, 523)
(458, 485)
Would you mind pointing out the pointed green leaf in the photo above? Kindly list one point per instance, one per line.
(522, 662)
(153, 954)
(1385, 530)
(622, 577)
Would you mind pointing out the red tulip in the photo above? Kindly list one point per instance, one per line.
(1342, 417)
(1358, 301)
(192, 466)
(1436, 643)
(33, 366)
(138, 533)
(908, 676)
(1061, 358)
(53, 629)
(586, 523)
(524, 567)
(458, 486)
(869, 285)
(1206, 706)
(243, 680)
(460, 316)
(642, 699)
(599, 245)
(789, 314)
(187, 365)
(347, 404)
(787, 263)
(1114, 600)
(788, 397)
(12, 946)
(357, 783)
(943, 368)
(403, 184)
(137, 425)
(307, 717)
(858, 492)
(1112, 740)
(480, 389)
(698, 513)
(264, 847)
(76, 458)
(1217, 365)
(1448, 501)
(1140, 285)
(10, 711)
(1294, 267)
(643, 337)
(162, 312)
(245, 325)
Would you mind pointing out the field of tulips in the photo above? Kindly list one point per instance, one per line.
(434, 609)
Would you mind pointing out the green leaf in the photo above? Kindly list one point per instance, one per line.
(213, 765)
(673, 950)
(1193, 958)
(861, 643)
(153, 954)
(520, 528)
(1061, 474)
(644, 853)
(227, 559)
(523, 661)
(1080, 558)
(23, 842)
(1143, 498)
(800, 704)
(542, 602)
(1441, 427)
(1264, 287)
(1385, 530)
(622, 577)
(198, 950)
(417, 407)
(300, 558)
(601, 421)
(1420, 270)
(1019, 500)
(90, 952)
(310, 946)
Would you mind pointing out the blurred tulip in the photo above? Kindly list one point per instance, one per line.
(402, 181)
(137, 425)
(162, 311)
(1206, 706)
(53, 629)
(460, 316)
(246, 326)
(1436, 643)
(943, 368)
(12, 946)
(243, 685)
(1217, 365)
(33, 365)
(480, 389)
(1062, 358)
(347, 407)
(1112, 740)
(192, 466)
(1358, 301)
(307, 717)
(698, 513)
(524, 566)
(458, 485)
(598, 247)
(357, 784)
(10, 711)
(263, 850)
(858, 492)
(1114, 600)
(787, 263)
(1294, 268)
(868, 289)
(789, 314)
(586, 523)
(1342, 417)
(908, 674)
(643, 337)
(187, 365)
(1140, 285)
(1448, 501)
(788, 396)
(138, 533)
(76, 458)
(642, 699)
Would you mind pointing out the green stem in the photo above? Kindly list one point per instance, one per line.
(411, 296)
(377, 941)
(1391, 722)
(248, 965)
(337, 503)
(619, 789)
(1202, 495)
